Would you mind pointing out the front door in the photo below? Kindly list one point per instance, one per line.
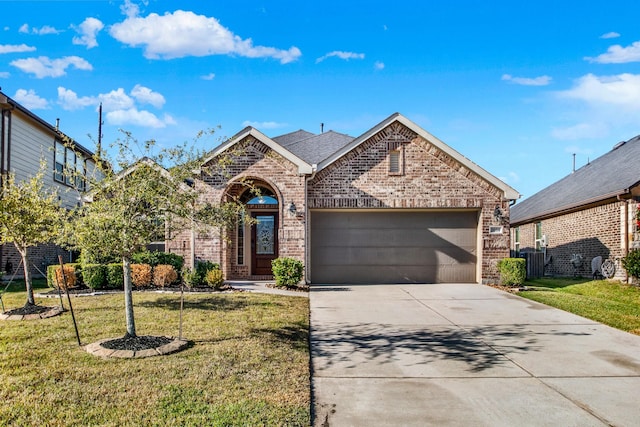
(264, 242)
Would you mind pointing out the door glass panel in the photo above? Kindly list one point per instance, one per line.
(265, 237)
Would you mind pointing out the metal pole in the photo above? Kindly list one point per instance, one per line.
(181, 306)
(64, 280)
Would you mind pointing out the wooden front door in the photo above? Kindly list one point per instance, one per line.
(264, 242)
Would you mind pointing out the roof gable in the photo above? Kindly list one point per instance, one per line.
(610, 175)
(303, 166)
(509, 192)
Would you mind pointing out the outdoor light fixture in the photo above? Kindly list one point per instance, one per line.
(497, 214)
(292, 209)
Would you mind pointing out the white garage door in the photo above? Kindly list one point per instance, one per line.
(393, 246)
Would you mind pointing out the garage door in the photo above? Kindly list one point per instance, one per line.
(393, 246)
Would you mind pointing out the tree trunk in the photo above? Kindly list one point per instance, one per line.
(128, 297)
(27, 275)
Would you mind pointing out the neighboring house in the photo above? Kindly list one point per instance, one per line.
(587, 214)
(394, 205)
(25, 141)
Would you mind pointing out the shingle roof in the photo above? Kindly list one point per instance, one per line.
(611, 174)
(313, 148)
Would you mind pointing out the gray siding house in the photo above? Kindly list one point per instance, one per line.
(26, 140)
(587, 214)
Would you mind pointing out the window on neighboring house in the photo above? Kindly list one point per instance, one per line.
(516, 244)
(59, 161)
(69, 168)
(538, 236)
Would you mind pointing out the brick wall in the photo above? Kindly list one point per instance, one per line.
(591, 232)
(430, 179)
(40, 257)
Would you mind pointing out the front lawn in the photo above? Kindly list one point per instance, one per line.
(249, 364)
(612, 303)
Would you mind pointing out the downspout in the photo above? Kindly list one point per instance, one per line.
(626, 230)
(307, 222)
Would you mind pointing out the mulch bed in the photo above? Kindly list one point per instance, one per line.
(28, 309)
(299, 288)
(79, 291)
(137, 343)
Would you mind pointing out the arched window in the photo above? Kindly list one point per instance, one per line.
(260, 196)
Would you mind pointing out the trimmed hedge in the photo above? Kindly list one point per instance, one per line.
(72, 275)
(158, 258)
(141, 275)
(95, 276)
(197, 277)
(115, 276)
(287, 271)
(214, 278)
(164, 275)
(513, 271)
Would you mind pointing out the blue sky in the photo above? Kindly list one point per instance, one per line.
(517, 87)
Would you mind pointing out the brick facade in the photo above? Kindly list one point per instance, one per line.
(593, 231)
(429, 178)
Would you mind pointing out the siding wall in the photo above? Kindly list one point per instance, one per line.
(27, 143)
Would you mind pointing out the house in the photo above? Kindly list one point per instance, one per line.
(26, 140)
(393, 205)
(587, 214)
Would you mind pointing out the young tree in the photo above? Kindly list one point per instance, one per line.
(126, 210)
(29, 216)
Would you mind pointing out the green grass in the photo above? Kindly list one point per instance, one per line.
(612, 303)
(249, 363)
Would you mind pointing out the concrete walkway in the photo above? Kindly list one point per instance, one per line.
(465, 355)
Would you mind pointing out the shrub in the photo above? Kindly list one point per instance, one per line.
(141, 274)
(287, 271)
(115, 276)
(197, 276)
(214, 278)
(513, 271)
(631, 263)
(159, 258)
(95, 276)
(164, 275)
(58, 280)
(51, 271)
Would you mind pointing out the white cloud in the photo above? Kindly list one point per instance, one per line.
(133, 116)
(88, 31)
(378, 65)
(30, 100)
(145, 95)
(342, 55)
(263, 125)
(44, 67)
(69, 100)
(512, 177)
(209, 76)
(47, 29)
(183, 33)
(617, 54)
(610, 35)
(16, 48)
(4, 75)
(622, 91)
(527, 81)
(580, 131)
(116, 100)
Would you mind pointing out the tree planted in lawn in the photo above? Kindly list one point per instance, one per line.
(129, 209)
(29, 216)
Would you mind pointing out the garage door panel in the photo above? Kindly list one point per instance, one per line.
(393, 247)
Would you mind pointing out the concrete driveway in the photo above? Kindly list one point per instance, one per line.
(465, 355)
